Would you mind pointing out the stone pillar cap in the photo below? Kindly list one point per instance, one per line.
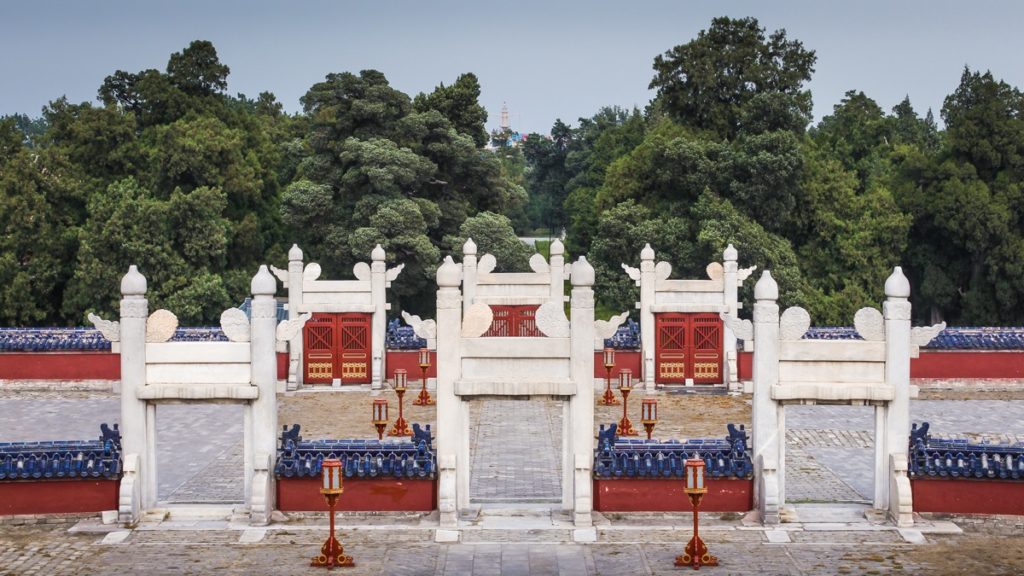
(263, 283)
(766, 288)
(133, 283)
(469, 248)
(377, 254)
(295, 253)
(557, 248)
(582, 272)
(897, 285)
(730, 254)
(448, 274)
(647, 253)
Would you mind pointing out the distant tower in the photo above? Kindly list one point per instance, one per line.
(505, 125)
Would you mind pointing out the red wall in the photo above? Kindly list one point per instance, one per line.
(960, 496)
(282, 365)
(409, 359)
(623, 359)
(667, 495)
(57, 496)
(745, 365)
(60, 366)
(967, 364)
(364, 494)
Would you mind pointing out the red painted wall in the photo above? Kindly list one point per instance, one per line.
(60, 366)
(967, 364)
(745, 365)
(961, 496)
(667, 495)
(57, 496)
(409, 359)
(623, 359)
(282, 365)
(364, 494)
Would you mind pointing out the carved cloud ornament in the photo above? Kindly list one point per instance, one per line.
(110, 329)
(235, 325)
(606, 328)
(922, 335)
(794, 323)
(869, 324)
(487, 264)
(743, 329)
(362, 271)
(289, 329)
(477, 321)
(633, 273)
(715, 271)
(539, 265)
(662, 270)
(426, 329)
(160, 326)
(311, 272)
(551, 321)
(393, 273)
(744, 273)
(282, 275)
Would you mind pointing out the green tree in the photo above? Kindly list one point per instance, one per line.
(493, 234)
(707, 82)
(459, 103)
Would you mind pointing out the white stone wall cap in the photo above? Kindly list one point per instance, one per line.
(582, 272)
(133, 283)
(557, 248)
(897, 285)
(295, 253)
(766, 288)
(730, 254)
(647, 253)
(469, 248)
(448, 273)
(377, 254)
(263, 283)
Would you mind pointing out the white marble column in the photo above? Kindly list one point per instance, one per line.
(378, 330)
(896, 311)
(262, 345)
(581, 405)
(295, 373)
(647, 339)
(450, 430)
(764, 413)
(557, 266)
(731, 301)
(135, 496)
(468, 274)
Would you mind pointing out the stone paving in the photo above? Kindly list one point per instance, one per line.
(526, 470)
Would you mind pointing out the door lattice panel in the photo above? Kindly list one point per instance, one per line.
(688, 346)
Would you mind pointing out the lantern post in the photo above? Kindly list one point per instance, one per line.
(380, 416)
(332, 553)
(609, 398)
(625, 387)
(401, 427)
(696, 553)
(424, 398)
(649, 415)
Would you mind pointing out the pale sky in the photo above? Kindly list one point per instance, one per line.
(546, 59)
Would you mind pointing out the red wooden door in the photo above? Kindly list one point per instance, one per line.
(514, 321)
(688, 346)
(354, 348)
(319, 359)
(671, 347)
(706, 358)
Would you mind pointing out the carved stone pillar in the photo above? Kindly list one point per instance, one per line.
(468, 274)
(295, 374)
(896, 311)
(450, 412)
(647, 340)
(134, 494)
(557, 266)
(764, 414)
(378, 330)
(731, 301)
(581, 405)
(262, 346)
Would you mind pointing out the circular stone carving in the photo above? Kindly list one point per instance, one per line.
(160, 326)
(235, 325)
(794, 323)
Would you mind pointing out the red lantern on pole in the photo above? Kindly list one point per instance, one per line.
(424, 397)
(380, 416)
(625, 387)
(696, 553)
(649, 415)
(609, 398)
(332, 553)
(401, 427)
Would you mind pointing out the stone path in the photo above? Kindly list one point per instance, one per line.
(200, 453)
(516, 451)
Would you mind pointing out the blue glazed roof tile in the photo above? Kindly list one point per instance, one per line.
(958, 458)
(63, 459)
(360, 458)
